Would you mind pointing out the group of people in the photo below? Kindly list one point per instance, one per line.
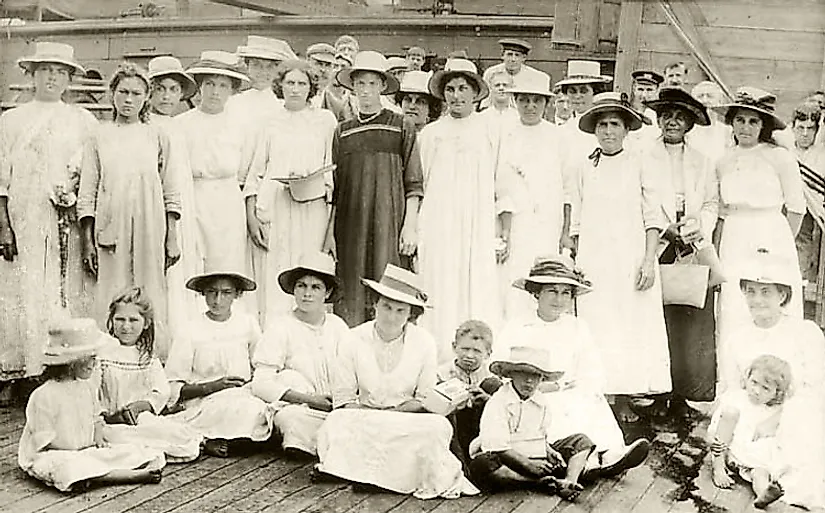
(428, 211)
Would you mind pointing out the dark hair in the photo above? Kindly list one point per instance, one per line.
(676, 64)
(236, 82)
(354, 74)
(768, 125)
(783, 289)
(807, 112)
(597, 87)
(63, 372)
(691, 117)
(132, 70)
(536, 288)
(296, 65)
(135, 296)
(415, 310)
(434, 105)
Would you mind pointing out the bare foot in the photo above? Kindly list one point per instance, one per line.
(155, 476)
(721, 476)
(567, 490)
(624, 412)
(217, 447)
(771, 494)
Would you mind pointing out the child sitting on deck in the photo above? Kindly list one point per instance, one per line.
(512, 448)
(744, 426)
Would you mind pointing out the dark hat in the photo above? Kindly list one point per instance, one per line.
(676, 96)
(518, 45)
(198, 283)
(534, 360)
(756, 100)
(647, 76)
(555, 269)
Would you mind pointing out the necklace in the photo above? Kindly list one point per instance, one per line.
(368, 118)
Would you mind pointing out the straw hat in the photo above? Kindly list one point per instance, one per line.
(399, 285)
(610, 102)
(526, 359)
(58, 53)
(168, 66)
(260, 47)
(199, 282)
(532, 83)
(216, 62)
(647, 77)
(369, 61)
(415, 82)
(319, 265)
(764, 267)
(555, 269)
(323, 52)
(584, 72)
(394, 63)
(518, 45)
(458, 68)
(676, 96)
(74, 339)
(756, 100)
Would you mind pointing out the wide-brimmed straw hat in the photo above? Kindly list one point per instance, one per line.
(526, 359)
(216, 62)
(532, 83)
(168, 66)
(610, 102)
(260, 47)
(416, 82)
(584, 72)
(373, 62)
(323, 52)
(47, 52)
(319, 265)
(550, 269)
(519, 45)
(678, 97)
(399, 285)
(73, 339)
(647, 77)
(768, 268)
(458, 68)
(198, 283)
(756, 100)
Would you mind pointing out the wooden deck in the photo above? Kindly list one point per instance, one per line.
(676, 479)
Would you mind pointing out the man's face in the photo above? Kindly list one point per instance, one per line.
(804, 132)
(675, 76)
(415, 62)
(513, 59)
(644, 91)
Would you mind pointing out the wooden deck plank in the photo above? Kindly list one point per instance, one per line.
(460, 505)
(413, 505)
(502, 503)
(278, 490)
(338, 502)
(17, 486)
(378, 502)
(303, 498)
(538, 503)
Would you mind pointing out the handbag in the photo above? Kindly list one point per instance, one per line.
(685, 282)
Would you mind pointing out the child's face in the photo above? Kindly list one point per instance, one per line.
(83, 368)
(759, 388)
(525, 383)
(470, 351)
(128, 324)
(219, 295)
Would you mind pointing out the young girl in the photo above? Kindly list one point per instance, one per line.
(132, 384)
(62, 443)
(743, 429)
(209, 368)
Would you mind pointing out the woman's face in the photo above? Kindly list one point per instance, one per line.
(128, 324)
(215, 91)
(129, 97)
(295, 86)
(764, 300)
(555, 299)
(459, 95)
(531, 108)
(610, 132)
(746, 127)
(416, 108)
(674, 123)
(310, 293)
(219, 295)
(166, 96)
(51, 80)
(580, 96)
(261, 72)
(390, 315)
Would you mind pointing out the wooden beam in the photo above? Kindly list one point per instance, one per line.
(627, 52)
(280, 7)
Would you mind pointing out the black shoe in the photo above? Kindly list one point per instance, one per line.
(635, 455)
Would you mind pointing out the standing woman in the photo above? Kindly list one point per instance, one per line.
(617, 218)
(689, 190)
(215, 150)
(758, 181)
(256, 106)
(40, 155)
(288, 185)
(129, 201)
(416, 101)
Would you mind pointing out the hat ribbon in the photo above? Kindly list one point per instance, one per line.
(765, 102)
(403, 287)
(558, 270)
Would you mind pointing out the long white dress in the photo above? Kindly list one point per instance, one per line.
(582, 408)
(614, 203)
(457, 225)
(294, 355)
(800, 343)
(538, 190)
(292, 144)
(216, 350)
(755, 184)
(124, 378)
(58, 441)
(254, 109)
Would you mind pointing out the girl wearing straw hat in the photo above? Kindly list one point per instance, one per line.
(129, 201)
(41, 147)
(63, 440)
(416, 101)
(170, 86)
(379, 433)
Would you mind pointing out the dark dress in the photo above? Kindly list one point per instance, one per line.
(378, 169)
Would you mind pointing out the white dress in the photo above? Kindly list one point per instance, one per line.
(457, 225)
(216, 350)
(254, 109)
(125, 378)
(400, 452)
(614, 203)
(582, 408)
(643, 138)
(292, 144)
(537, 188)
(294, 355)
(57, 445)
(755, 183)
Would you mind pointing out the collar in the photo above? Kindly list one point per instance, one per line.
(512, 397)
(598, 153)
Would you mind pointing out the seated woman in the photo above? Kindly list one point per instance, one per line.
(210, 368)
(578, 401)
(294, 361)
(379, 433)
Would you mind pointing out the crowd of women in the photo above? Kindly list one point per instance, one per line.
(348, 182)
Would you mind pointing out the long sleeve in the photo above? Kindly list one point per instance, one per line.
(791, 179)
(179, 363)
(169, 175)
(268, 363)
(651, 200)
(336, 140)
(428, 377)
(161, 390)
(413, 172)
(709, 214)
(5, 156)
(89, 180)
(494, 428)
(345, 377)
(576, 175)
(257, 166)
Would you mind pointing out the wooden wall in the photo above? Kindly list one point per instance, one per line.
(777, 45)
